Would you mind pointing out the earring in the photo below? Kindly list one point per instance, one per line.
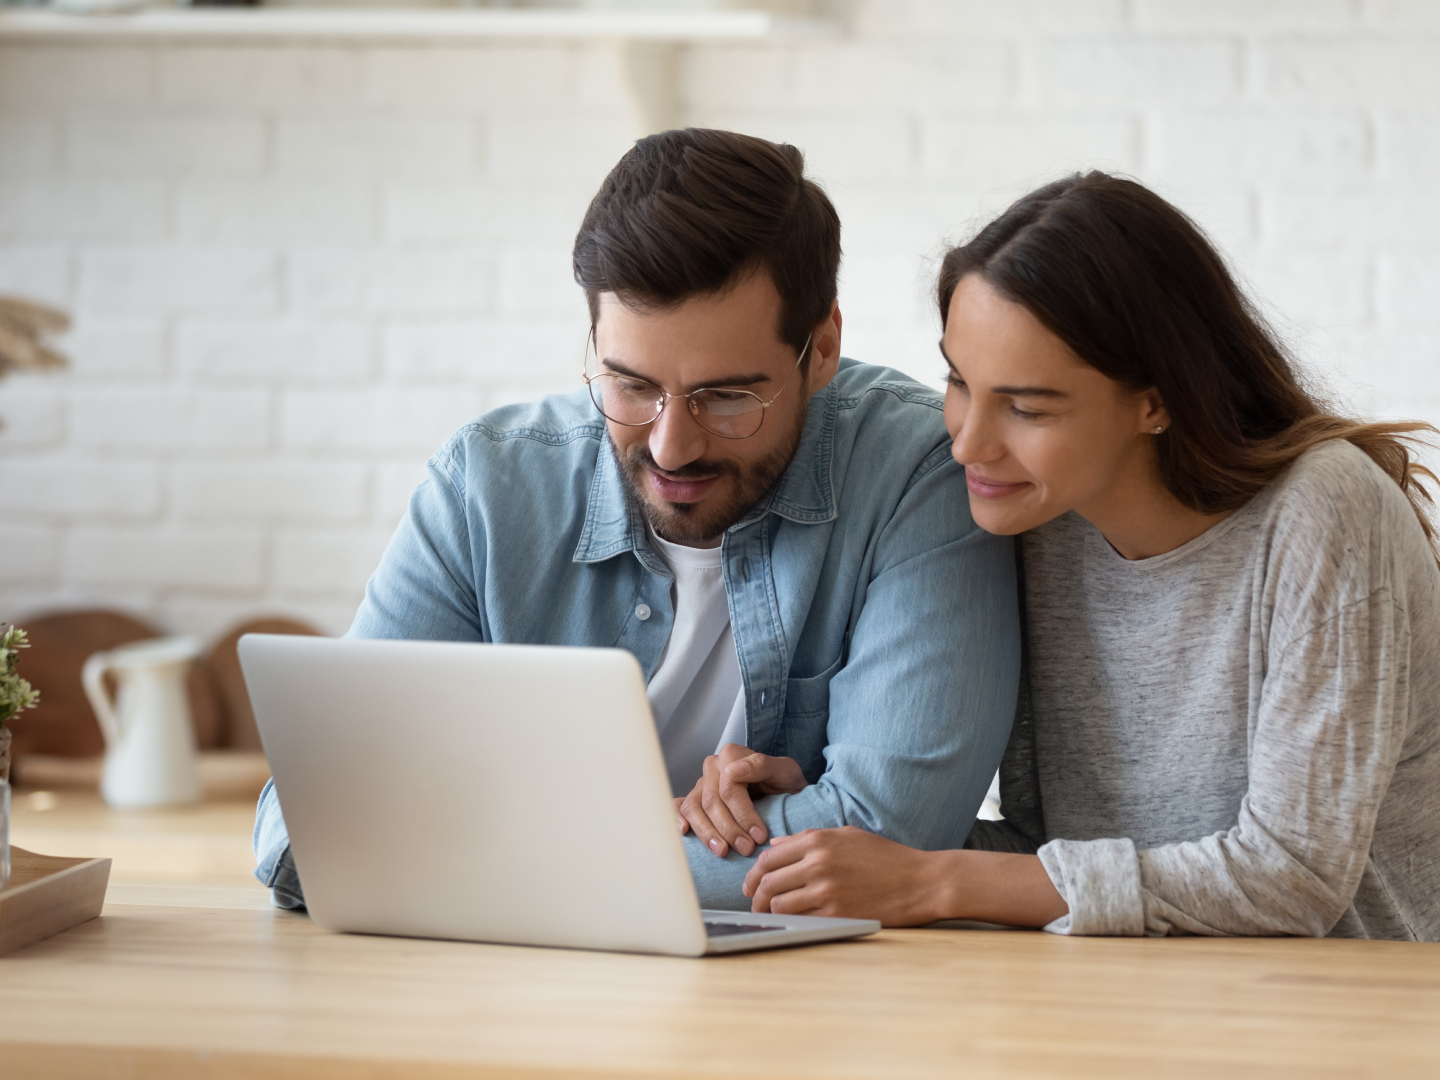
(1159, 429)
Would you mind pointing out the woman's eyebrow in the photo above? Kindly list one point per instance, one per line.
(1029, 391)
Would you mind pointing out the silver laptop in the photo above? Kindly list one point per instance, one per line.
(503, 793)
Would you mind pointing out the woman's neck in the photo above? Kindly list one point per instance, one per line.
(1141, 519)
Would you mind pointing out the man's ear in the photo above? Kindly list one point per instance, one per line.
(825, 350)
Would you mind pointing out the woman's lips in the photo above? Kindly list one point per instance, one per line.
(991, 489)
(682, 491)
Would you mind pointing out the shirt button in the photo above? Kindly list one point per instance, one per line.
(642, 612)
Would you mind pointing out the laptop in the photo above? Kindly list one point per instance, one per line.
(502, 793)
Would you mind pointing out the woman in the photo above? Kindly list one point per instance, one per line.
(1230, 713)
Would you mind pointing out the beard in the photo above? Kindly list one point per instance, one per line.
(696, 524)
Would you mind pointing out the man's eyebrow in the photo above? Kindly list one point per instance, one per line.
(728, 380)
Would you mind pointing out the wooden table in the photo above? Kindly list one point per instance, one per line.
(207, 981)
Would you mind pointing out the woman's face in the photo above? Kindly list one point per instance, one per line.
(1038, 430)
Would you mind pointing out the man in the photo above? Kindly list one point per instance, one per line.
(779, 536)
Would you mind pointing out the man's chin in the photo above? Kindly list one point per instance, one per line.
(696, 524)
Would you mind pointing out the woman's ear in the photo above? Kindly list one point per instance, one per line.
(1154, 417)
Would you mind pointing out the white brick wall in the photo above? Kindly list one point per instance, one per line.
(295, 270)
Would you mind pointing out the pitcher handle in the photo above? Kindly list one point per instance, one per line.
(92, 676)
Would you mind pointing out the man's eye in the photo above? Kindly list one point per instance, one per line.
(1025, 415)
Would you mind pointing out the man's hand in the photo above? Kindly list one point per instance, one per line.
(850, 873)
(721, 809)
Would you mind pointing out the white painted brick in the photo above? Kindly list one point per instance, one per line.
(28, 144)
(1298, 150)
(54, 76)
(275, 212)
(546, 146)
(481, 78)
(211, 617)
(1403, 220)
(123, 145)
(926, 20)
(51, 209)
(171, 418)
(730, 78)
(849, 75)
(270, 490)
(540, 282)
(36, 273)
(1224, 210)
(293, 352)
(994, 151)
(30, 556)
(285, 78)
(210, 559)
(32, 411)
(1367, 71)
(179, 279)
(391, 280)
(1408, 146)
(385, 418)
(456, 214)
(46, 488)
(394, 484)
(327, 561)
(349, 145)
(478, 351)
(1409, 290)
(1076, 73)
(1323, 290)
(1247, 16)
(123, 348)
(838, 150)
(1403, 14)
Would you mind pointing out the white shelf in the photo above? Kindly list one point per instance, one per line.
(406, 24)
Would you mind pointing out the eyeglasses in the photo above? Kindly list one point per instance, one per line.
(632, 402)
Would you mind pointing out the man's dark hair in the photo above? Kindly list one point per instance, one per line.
(690, 212)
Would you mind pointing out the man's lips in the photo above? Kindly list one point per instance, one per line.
(683, 490)
(991, 489)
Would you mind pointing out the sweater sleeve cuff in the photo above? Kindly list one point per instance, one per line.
(1100, 881)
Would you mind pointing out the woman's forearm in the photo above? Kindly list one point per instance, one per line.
(996, 887)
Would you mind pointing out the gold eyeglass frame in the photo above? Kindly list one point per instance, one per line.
(690, 405)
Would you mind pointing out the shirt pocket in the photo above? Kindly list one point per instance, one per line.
(811, 697)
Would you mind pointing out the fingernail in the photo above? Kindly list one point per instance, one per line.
(743, 845)
(759, 834)
(715, 846)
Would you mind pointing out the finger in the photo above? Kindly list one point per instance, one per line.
(735, 792)
(774, 885)
(680, 816)
(717, 808)
(808, 900)
(701, 825)
(775, 858)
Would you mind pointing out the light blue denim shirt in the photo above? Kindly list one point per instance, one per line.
(876, 625)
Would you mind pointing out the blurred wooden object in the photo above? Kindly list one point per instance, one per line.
(223, 663)
(48, 895)
(224, 774)
(64, 724)
(23, 324)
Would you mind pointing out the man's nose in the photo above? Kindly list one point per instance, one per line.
(675, 438)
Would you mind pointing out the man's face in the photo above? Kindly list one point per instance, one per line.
(692, 484)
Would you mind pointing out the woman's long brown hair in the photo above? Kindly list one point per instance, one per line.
(1133, 287)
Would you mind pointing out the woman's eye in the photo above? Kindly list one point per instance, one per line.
(951, 379)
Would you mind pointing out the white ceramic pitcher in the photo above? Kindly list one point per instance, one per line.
(149, 739)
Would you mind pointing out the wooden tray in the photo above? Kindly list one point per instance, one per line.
(47, 895)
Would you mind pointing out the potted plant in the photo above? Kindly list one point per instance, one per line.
(15, 692)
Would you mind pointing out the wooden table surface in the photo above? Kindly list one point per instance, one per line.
(205, 980)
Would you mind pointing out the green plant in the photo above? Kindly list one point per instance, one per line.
(15, 692)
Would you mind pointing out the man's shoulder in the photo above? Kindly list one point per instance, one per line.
(879, 391)
(552, 427)
(884, 414)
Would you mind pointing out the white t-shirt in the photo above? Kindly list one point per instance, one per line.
(696, 693)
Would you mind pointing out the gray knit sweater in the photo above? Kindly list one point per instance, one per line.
(1240, 736)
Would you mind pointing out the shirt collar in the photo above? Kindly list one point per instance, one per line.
(804, 494)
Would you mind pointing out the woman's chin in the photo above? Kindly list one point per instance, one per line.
(1001, 520)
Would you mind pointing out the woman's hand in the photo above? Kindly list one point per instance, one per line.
(849, 872)
(721, 808)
